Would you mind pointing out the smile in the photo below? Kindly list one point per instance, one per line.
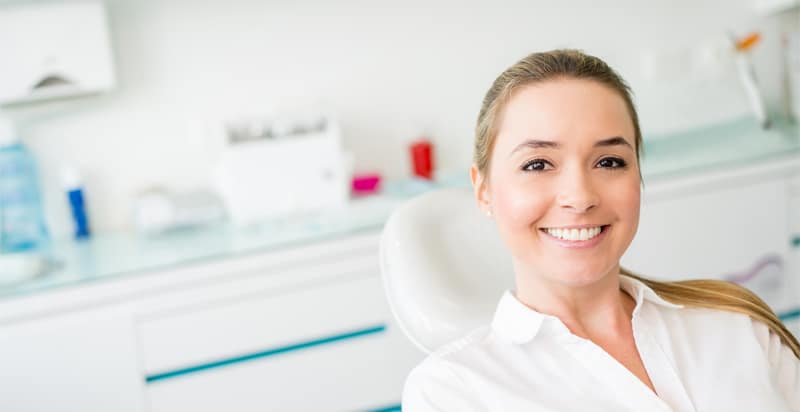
(575, 234)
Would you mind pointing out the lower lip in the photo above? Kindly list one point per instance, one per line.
(579, 244)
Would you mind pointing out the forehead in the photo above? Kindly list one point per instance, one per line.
(573, 112)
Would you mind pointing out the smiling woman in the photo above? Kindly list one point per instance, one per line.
(557, 167)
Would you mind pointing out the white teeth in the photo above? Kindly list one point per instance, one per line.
(574, 234)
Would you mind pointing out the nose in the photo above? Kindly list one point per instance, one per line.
(577, 192)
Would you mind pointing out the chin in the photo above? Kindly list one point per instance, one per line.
(578, 276)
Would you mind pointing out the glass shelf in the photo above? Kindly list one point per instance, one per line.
(112, 255)
(740, 142)
(106, 256)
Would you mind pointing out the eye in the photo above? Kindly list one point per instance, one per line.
(537, 165)
(612, 163)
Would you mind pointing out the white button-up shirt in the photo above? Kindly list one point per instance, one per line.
(698, 360)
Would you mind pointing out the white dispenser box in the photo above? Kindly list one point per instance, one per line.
(53, 49)
(284, 175)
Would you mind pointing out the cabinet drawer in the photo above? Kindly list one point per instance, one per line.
(711, 234)
(358, 375)
(301, 314)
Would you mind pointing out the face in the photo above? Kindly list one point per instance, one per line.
(563, 184)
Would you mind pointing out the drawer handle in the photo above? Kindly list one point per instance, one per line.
(264, 353)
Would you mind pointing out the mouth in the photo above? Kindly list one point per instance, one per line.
(576, 234)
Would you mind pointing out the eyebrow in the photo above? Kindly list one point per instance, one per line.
(547, 144)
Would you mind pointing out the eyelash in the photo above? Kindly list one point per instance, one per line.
(621, 164)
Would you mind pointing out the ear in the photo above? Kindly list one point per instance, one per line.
(481, 189)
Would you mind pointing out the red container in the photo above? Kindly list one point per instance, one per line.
(422, 159)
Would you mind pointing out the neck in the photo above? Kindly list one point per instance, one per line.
(600, 308)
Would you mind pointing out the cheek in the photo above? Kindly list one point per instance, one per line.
(627, 200)
(519, 207)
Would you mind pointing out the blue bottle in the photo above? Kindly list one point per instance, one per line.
(74, 188)
(22, 223)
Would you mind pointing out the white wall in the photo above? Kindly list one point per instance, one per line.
(392, 70)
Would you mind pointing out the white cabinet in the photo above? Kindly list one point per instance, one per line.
(299, 329)
(357, 375)
(265, 318)
(302, 329)
(733, 228)
(76, 362)
(330, 347)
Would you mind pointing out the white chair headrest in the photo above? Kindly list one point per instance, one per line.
(444, 267)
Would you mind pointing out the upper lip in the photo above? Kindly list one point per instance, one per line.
(588, 225)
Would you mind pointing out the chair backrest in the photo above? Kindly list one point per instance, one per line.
(444, 267)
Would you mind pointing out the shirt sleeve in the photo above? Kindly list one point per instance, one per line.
(784, 364)
(434, 386)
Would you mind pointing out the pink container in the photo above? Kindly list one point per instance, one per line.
(366, 183)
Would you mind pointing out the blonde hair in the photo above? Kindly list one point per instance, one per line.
(573, 64)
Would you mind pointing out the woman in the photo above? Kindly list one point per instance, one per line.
(557, 167)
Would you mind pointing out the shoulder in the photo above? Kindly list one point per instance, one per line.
(701, 318)
(442, 380)
(712, 321)
(784, 365)
(455, 355)
(724, 333)
(778, 353)
(710, 334)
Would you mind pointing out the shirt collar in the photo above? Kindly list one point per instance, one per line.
(639, 291)
(519, 324)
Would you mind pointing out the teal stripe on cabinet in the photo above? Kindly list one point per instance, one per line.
(393, 408)
(789, 315)
(265, 353)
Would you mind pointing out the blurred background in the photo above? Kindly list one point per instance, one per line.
(390, 72)
(187, 186)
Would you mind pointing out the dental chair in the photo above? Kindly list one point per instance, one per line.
(444, 267)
